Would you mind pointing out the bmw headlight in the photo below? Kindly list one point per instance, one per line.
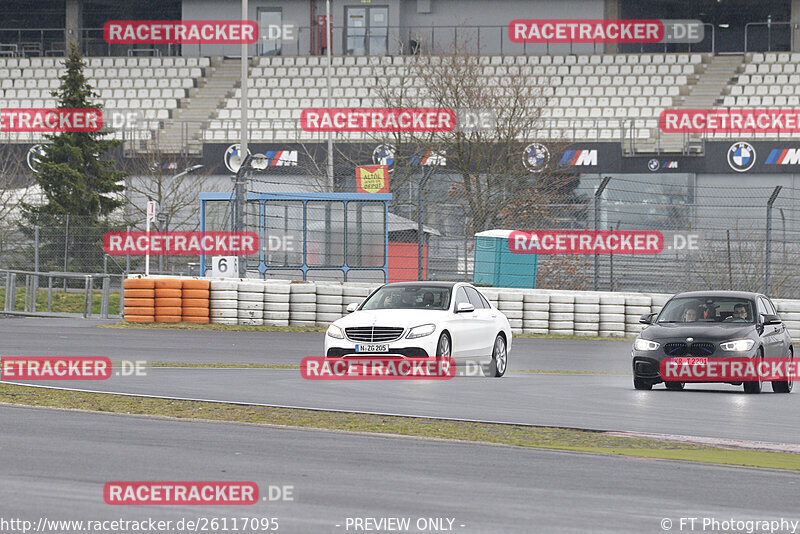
(335, 332)
(421, 331)
(739, 345)
(645, 344)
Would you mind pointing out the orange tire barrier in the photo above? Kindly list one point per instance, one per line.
(195, 303)
(140, 318)
(168, 283)
(168, 293)
(168, 310)
(194, 312)
(147, 303)
(138, 283)
(196, 284)
(163, 302)
(196, 320)
(168, 318)
(139, 310)
(140, 293)
(196, 294)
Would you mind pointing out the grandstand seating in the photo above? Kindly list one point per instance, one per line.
(153, 85)
(583, 96)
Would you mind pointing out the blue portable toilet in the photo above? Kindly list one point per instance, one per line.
(497, 266)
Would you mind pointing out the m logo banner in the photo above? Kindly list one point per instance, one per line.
(783, 156)
(281, 158)
(372, 179)
(579, 158)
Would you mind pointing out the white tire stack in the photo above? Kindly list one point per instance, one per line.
(562, 314)
(276, 303)
(303, 304)
(635, 307)
(510, 304)
(251, 303)
(329, 303)
(587, 314)
(789, 312)
(535, 312)
(612, 315)
(223, 302)
(352, 293)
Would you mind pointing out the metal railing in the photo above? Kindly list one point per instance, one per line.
(776, 34)
(32, 288)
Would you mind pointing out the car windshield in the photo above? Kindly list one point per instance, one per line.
(409, 297)
(707, 310)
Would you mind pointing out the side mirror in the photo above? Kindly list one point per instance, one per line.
(647, 318)
(353, 306)
(768, 319)
(465, 307)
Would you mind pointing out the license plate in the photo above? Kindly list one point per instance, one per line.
(690, 361)
(372, 348)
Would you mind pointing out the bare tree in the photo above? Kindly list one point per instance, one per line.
(153, 176)
(14, 191)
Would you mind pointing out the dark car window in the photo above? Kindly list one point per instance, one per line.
(762, 306)
(461, 296)
(409, 297)
(474, 298)
(771, 307)
(707, 309)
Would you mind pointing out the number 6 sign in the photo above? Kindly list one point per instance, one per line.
(224, 267)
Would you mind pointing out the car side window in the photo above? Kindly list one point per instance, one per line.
(474, 298)
(771, 307)
(762, 307)
(461, 296)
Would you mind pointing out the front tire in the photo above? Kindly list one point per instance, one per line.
(641, 385)
(674, 386)
(784, 386)
(497, 367)
(444, 348)
(754, 386)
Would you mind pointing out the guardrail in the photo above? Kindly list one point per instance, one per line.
(32, 286)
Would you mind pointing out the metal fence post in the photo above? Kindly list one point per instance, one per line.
(105, 296)
(36, 248)
(11, 292)
(770, 202)
(597, 195)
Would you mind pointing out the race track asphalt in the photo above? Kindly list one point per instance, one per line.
(604, 401)
(56, 463)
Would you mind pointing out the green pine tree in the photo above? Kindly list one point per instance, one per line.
(78, 182)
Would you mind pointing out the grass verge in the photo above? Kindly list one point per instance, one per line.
(64, 302)
(213, 327)
(521, 436)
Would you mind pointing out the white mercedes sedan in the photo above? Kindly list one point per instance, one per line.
(424, 320)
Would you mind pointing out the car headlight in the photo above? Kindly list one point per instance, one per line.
(335, 332)
(739, 345)
(645, 344)
(421, 331)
